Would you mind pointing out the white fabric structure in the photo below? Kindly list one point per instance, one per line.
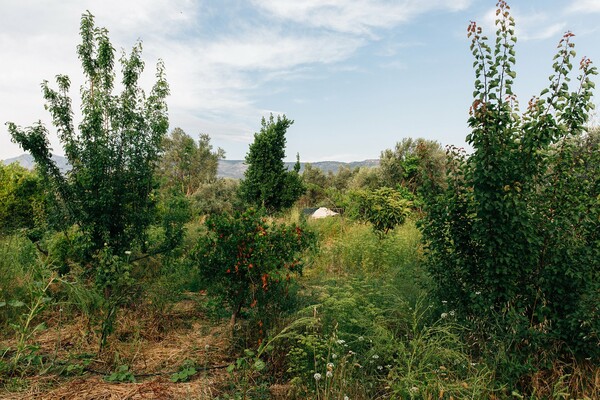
(323, 212)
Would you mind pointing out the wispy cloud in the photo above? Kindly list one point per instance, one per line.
(530, 26)
(585, 6)
(354, 16)
(215, 71)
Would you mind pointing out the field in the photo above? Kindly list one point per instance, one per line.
(362, 319)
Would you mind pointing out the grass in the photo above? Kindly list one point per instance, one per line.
(363, 323)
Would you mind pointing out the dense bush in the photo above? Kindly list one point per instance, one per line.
(250, 262)
(186, 164)
(216, 197)
(384, 208)
(415, 164)
(22, 197)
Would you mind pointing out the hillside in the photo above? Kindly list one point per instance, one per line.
(227, 168)
(26, 160)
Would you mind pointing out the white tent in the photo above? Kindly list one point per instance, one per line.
(323, 212)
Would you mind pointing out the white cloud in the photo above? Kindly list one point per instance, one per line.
(529, 26)
(585, 6)
(214, 72)
(355, 16)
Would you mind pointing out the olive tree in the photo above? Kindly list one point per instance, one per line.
(186, 164)
(416, 164)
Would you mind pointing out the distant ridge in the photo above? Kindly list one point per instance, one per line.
(26, 161)
(235, 168)
(227, 168)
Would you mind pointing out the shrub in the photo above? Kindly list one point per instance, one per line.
(22, 197)
(384, 208)
(250, 262)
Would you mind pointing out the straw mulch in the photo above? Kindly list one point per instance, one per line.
(95, 388)
(152, 349)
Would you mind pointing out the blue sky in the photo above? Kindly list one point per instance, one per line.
(356, 75)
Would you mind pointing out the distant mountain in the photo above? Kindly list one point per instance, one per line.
(235, 168)
(227, 168)
(26, 161)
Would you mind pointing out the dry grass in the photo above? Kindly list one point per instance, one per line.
(573, 380)
(152, 357)
(96, 388)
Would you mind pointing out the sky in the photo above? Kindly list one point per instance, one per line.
(356, 76)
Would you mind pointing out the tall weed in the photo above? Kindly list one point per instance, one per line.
(18, 272)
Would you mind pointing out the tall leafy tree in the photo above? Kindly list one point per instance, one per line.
(113, 151)
(513, 241)
(266, 182)
(187, 164)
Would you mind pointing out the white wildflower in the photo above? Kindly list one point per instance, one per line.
(444, 315)
(329, 374)
(317, 376)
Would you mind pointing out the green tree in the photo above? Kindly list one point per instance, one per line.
(21, 198)
(513, 242)
(187, 164)
(216, 197)
(342, 178)
(384, 208)
(417, 164)
(315, 182)
(368, 178)
(266, 182)
(114, 151)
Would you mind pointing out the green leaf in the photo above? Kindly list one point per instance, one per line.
(16, 303)
(259, 365)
